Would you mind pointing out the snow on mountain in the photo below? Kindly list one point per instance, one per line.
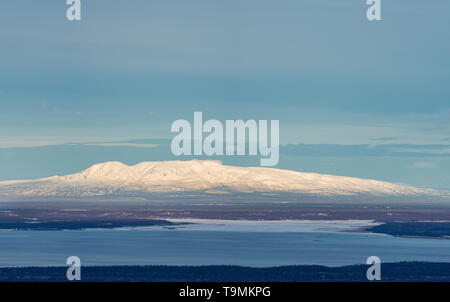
(115, 179)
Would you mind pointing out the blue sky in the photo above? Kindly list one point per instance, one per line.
(130, 68)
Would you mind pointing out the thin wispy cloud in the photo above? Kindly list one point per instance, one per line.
(422, 165)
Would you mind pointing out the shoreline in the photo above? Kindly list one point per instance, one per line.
(424, 230)
(405, 229)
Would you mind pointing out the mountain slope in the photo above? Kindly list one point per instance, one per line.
(114, 179)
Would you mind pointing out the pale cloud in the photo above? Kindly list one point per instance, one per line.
(122, 145)
(23, 144)
(422, 165)
(432, 150)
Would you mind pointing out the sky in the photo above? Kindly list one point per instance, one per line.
(128, 69)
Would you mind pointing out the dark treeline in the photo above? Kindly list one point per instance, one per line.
(403, 271)
(420, 229)
(79, 225)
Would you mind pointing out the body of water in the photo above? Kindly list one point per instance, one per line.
(256, 244)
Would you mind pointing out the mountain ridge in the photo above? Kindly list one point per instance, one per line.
(202, 176)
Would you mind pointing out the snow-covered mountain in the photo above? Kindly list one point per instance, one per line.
(117, 180)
